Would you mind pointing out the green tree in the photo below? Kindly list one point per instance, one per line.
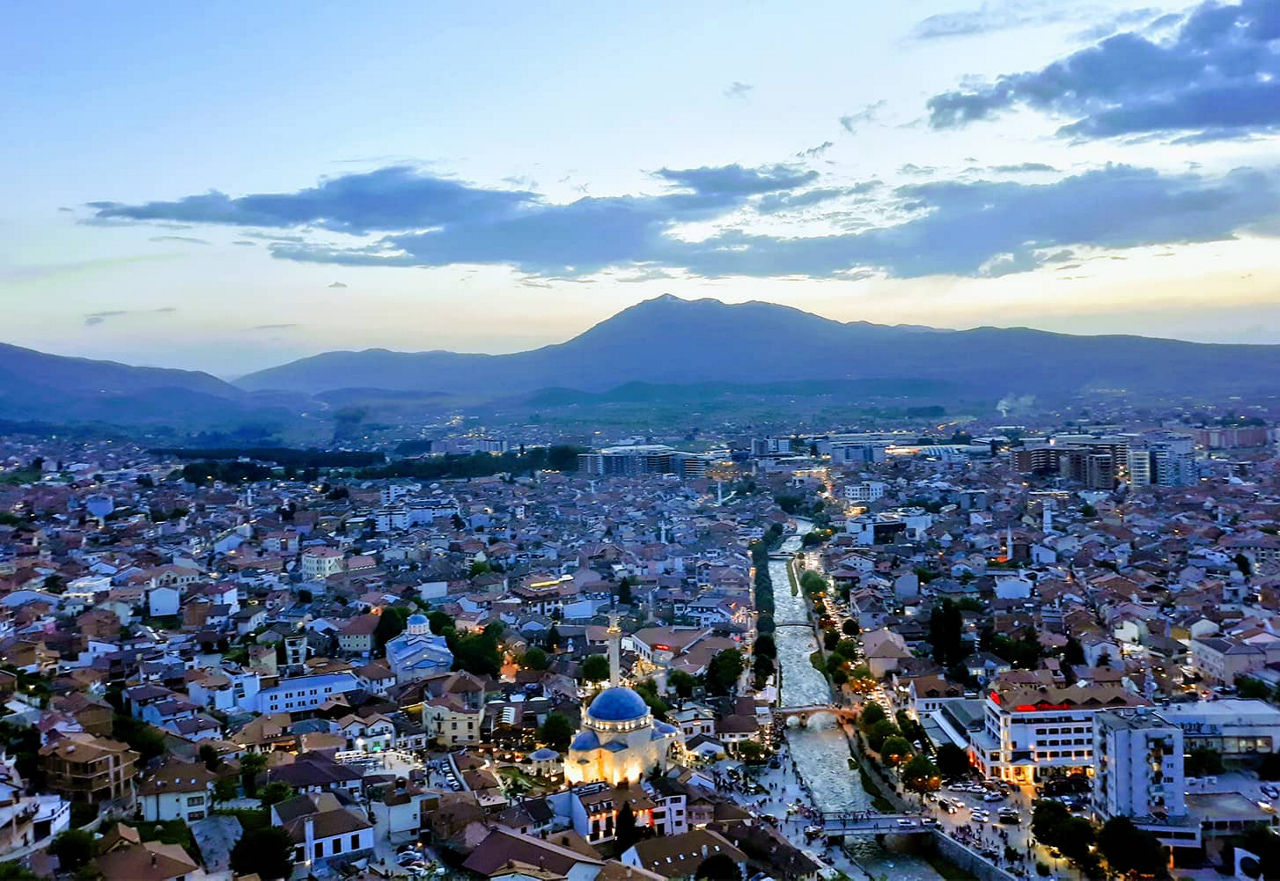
(872, 713)
(849, 627)
(210, 757)
(73, 848)
(952, 760)
(681, 683)
(535, 659)
(723, 671)
(556, 731)
(595, 668)
(266, 851)
(276, 792)
(225, 789)
(391, 623)
(946, 633)
(895, 749)
(1127, 848)
(878, 733)
(624, 592)
(1047, 819)
(554, 640)
(440, 622)
(251, 765)
(718, 867)
(648, 691)
(15, 871)
(1203, 762)
(1244, 564)
(625, 830)
(921, 774)
(1254, 689)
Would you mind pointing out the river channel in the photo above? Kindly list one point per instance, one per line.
(821, 751)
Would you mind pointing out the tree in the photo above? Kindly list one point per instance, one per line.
(556, 731)
(595, 668)
(952, 760)
(15, 871)
(895, 749)
(718, 867)
(625, 830)
(1255, 689)
(391, 623)
(554, 640)
(765, 646)
(624, 592)
(849, 627)
(1128, 848)
(266, 851)
(723, 671)
(1073, 654)
(210, 757)
(251, 765)
(1203, 762)
(872, 713)
(534, 659)
(1047, 819)
(1269, 769)
(276, 792)
(946, 633)
(878, 733)
(225, 789)
(439, 622)
(648, 691)
(681, 683)
(750, 751)
(1076, 836)
(1244, 564)
(921, 774)
(73, 848)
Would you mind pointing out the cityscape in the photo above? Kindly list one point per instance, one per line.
(640, 442)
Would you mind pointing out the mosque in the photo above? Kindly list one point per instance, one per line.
(619, 739)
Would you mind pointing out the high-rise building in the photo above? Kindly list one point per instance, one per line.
(1138, 765)
(1162, 460)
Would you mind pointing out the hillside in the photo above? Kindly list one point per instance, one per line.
(672, 341)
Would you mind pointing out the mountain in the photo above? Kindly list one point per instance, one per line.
(681, 342)
(61, 390)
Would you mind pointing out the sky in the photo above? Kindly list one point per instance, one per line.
(232, 186)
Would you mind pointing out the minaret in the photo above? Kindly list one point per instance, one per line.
(615, 650)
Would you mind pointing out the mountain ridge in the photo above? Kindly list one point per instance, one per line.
(669, 340)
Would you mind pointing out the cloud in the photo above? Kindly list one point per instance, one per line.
(93, 319)
(390, 198)
(1217, 76)
(738, 90)
(337, 284)
(274, 326)
(929, 227)
(815, 152)
(1022, 167)
(853, 121)
(245, 244)
(190, 240)
(985, 19)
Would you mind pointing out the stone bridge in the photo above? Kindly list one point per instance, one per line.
(804, 714)
(872, 823)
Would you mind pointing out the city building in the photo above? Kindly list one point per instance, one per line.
(87, 768)
(1138, 773)
(619, 740)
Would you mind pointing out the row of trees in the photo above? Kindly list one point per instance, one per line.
(764, 655)
(1124, 846)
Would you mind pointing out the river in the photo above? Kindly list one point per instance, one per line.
(821, 751)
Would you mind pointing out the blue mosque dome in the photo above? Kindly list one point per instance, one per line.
(618, 704)
(416, 618)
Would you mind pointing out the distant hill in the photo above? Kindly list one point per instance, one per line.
(59, 390)
(669, 341)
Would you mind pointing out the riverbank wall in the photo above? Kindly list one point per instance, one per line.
(969, 860)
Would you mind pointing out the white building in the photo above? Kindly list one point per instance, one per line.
(321, 562)
(866, 491)
(418, 653)
(1138, 772)
(1031, 732)
(177, 791)
(1233, 727)
(303, 693)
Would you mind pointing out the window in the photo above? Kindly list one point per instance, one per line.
(319, 849)
(355, 842)
(337, 846)
(196, 800)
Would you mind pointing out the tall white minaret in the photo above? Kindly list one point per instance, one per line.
(615, 650)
